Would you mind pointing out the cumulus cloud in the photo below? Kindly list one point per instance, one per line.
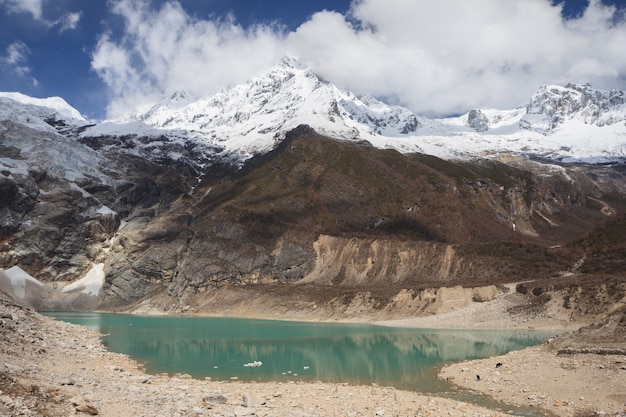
(436, 58)
(448, 56)
(16, 60)
(166, 50)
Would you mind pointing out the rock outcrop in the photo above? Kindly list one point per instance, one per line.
(478, 121)
(551, 105)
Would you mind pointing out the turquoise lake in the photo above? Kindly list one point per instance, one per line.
(220, 348)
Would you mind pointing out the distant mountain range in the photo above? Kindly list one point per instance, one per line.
(573, 123)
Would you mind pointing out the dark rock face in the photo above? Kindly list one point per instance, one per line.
(56, 229)
(478, 121)
(410, 125)
(61, 202)
(18, 195)
(187, 158)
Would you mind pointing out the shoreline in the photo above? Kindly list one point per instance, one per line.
(503, 309)
(57, 369)
(427, 323)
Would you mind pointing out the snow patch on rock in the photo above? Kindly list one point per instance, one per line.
(91, 283)
(19, 278)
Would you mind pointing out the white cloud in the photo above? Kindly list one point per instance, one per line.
(166, 50)
(16, 60)
(435, 57)
(449, 56)
(17, 53)
(34, 7)
(69, 21)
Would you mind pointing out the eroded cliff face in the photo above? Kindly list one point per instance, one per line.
(363, 262)
(391, 263)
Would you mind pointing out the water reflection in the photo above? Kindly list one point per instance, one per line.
(219, 348)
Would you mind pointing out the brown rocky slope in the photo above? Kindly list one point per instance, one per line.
(348, 222)
(322, 225)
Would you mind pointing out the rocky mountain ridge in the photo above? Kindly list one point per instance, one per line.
(551, 106)
(251, 118)
(180, 211)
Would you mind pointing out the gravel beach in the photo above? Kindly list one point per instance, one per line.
(539, 377)
(51, 368)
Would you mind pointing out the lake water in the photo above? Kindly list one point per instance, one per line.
(221, 348)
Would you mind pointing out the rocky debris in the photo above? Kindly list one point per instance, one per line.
(607, 337)
(250, 401)
(81, 405)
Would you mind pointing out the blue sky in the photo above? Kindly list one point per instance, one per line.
(109, 57)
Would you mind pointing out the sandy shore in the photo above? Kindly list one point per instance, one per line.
(50, 368)
(575, 384)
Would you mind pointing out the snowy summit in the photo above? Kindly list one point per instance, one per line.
(247, 119)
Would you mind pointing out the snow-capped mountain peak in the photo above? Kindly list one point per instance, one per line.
(179, 99)
(552, 105)
(57, 104)
(289, 62)
(249, 117)
(571, 123)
